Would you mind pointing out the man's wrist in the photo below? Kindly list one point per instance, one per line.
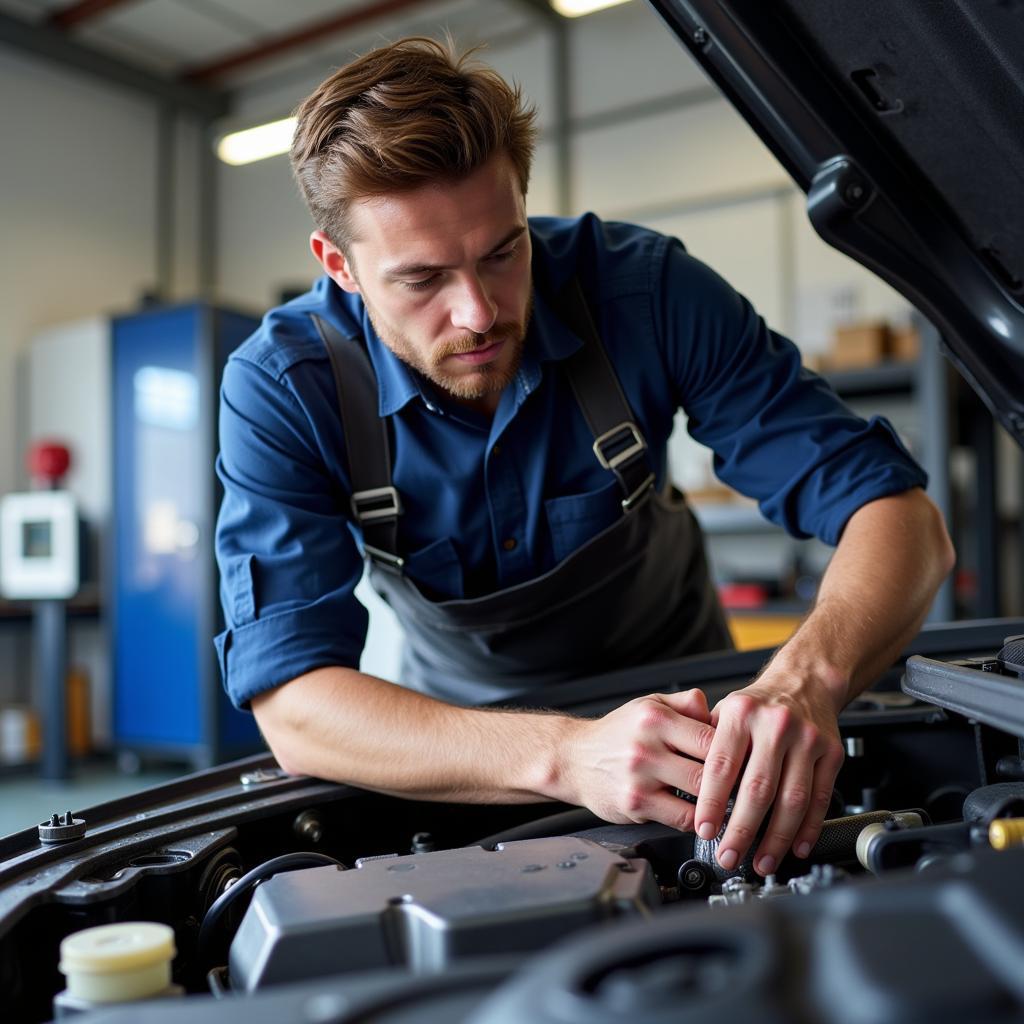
(811, 672)
(551, 773)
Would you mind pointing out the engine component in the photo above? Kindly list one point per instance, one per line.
(308, 827)
(61, 828)
(837, 844)
(1000, 800)
(241, 888)
(1006, 833)
(869, 833)
(427, 910)
(116, 963)
(695, 878)
(890, 952)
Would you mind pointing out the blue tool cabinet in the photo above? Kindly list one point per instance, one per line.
(167, 695)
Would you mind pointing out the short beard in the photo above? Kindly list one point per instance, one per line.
(487, 379)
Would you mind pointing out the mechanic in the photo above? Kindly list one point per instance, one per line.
(479, 405)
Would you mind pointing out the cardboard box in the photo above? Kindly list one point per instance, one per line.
(859, 345)
(904, 344)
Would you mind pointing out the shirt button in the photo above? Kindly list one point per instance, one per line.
(509, 544)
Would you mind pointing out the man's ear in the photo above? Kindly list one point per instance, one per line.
(336, 264)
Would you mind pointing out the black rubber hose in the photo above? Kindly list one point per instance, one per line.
(578, 819)
(244, 886)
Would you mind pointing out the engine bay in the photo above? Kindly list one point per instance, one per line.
(283, 893)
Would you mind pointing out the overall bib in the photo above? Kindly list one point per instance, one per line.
(636, 593)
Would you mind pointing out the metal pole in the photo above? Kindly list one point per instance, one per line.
(934, 399)
(166, 175)
(50, 628)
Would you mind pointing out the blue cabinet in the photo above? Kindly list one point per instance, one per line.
(167, 695)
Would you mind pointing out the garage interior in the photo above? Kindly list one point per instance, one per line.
(114, 201)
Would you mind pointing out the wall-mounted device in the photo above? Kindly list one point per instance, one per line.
(39, 550)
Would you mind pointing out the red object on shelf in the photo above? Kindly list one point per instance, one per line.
(742, 595)
(48, 461)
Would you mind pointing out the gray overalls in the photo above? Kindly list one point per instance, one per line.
(638, 592)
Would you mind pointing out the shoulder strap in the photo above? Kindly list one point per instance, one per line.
(375, 503)
(618, 443)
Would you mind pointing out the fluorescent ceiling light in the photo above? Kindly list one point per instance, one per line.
(257, 143)
(577, 8)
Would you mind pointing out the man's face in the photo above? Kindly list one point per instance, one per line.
(444, 271)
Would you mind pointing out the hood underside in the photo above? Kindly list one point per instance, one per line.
(904, 125)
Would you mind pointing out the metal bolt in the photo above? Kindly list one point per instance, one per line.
(854, 193)
(423, 842)
(700, 36)
(260, 776)
(567, 864)
(309, 827)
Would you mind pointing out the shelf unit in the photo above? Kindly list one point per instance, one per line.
(926, 381)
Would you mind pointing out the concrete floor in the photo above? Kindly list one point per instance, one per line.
(25, 799)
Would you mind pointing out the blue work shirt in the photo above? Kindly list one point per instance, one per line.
(492, 502)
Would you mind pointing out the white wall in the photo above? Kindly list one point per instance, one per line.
(78, 183)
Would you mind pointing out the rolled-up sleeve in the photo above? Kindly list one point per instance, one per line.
(778, 432)
(288, 561)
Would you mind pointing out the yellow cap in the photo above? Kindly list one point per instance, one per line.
(1006, 833)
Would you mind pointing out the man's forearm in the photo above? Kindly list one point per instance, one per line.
(776, 744)
(338, 723)
(881, 581)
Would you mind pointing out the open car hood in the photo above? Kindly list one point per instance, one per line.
(904, 125)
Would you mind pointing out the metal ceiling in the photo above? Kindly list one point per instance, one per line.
(222, 45)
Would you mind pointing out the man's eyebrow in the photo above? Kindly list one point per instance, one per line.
(416, 269)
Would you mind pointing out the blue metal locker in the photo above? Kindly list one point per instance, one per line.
(167, 695)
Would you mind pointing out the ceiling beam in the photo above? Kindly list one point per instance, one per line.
(309, 34)
(84, 10)
(53, 45)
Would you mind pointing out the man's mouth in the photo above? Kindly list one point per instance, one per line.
(481, 355)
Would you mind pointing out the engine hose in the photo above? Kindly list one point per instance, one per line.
(244, 886)
(837, 844)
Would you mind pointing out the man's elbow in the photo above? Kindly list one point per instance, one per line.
(943, 554)
(274, 718)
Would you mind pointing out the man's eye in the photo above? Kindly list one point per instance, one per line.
(500, 257)
(418, 286)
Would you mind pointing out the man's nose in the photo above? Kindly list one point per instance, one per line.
(474, 309)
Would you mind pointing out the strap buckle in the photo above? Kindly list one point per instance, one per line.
(616, 434)
(376, 504)
(648, 483)
(386, 560)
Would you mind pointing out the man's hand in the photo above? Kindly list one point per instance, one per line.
(788, 737)
(626, 765)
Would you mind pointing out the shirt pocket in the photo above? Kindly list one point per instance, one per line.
(436, 570)
(577, 518)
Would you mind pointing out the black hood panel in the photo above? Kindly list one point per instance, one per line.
(904, 124)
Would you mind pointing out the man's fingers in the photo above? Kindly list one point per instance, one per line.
(662, 721)
(792, 802)
(679, 773)
(691, 703)
(663, 807)
(755, 795)
(824, 778)
(721, 769)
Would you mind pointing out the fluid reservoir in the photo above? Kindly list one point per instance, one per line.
(115, 963)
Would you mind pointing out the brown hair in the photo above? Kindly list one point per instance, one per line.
(400, 117)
